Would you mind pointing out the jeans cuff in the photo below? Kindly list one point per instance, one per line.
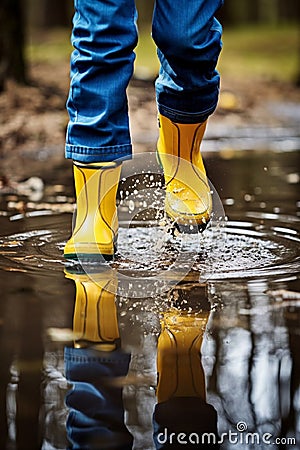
(85, 154)
(185, 117)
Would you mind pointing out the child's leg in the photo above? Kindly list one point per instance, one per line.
(189, 44)
(187, 89)
(104, 36)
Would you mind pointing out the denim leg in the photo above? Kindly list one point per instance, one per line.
(189, 43)
(104, 36)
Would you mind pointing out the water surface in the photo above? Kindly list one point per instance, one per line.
(179, 335)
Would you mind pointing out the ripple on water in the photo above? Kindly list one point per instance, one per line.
(246, 253)
(238, 250)
(38, 247)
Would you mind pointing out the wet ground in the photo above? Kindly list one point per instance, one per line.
(182, 341)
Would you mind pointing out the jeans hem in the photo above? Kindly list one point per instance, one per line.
(86, 154)
(185, 117)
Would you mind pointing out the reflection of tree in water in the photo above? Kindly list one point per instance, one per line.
(21, 356)
(252, 362)
(292, 413)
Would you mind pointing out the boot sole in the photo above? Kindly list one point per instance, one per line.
(190, 229)
(92, 257)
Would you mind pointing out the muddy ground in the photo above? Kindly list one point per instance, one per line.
(33, 118)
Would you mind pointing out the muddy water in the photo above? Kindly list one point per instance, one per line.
(182, 341)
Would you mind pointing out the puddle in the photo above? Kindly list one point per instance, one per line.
(248, 249)
(127, 336)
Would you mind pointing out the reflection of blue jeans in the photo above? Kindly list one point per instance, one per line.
(188, 38)
(96, 416)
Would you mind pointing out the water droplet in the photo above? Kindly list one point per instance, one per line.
(293, 178)
(248, 197)
(258, 190)
(131, 205)
(229, 201)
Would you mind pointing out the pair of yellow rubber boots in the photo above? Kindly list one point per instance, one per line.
(188, 201)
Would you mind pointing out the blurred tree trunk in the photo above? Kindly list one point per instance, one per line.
(253, 11)
(12, 61)
(224, 14)
(56, 13)
(288, 9)
(145, 10)
(239, 12)
(297, 15)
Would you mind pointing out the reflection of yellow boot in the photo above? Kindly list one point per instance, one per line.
(188, 198)
(96, 226)
(95, 322)
(180, 372)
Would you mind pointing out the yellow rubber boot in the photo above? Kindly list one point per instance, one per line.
(95, 323)
(96, 225)
(179, 367)
(188, 198)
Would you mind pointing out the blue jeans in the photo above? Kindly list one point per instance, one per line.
(104, 37)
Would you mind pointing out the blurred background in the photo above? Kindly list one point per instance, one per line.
(259, 64)
(259, 31)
